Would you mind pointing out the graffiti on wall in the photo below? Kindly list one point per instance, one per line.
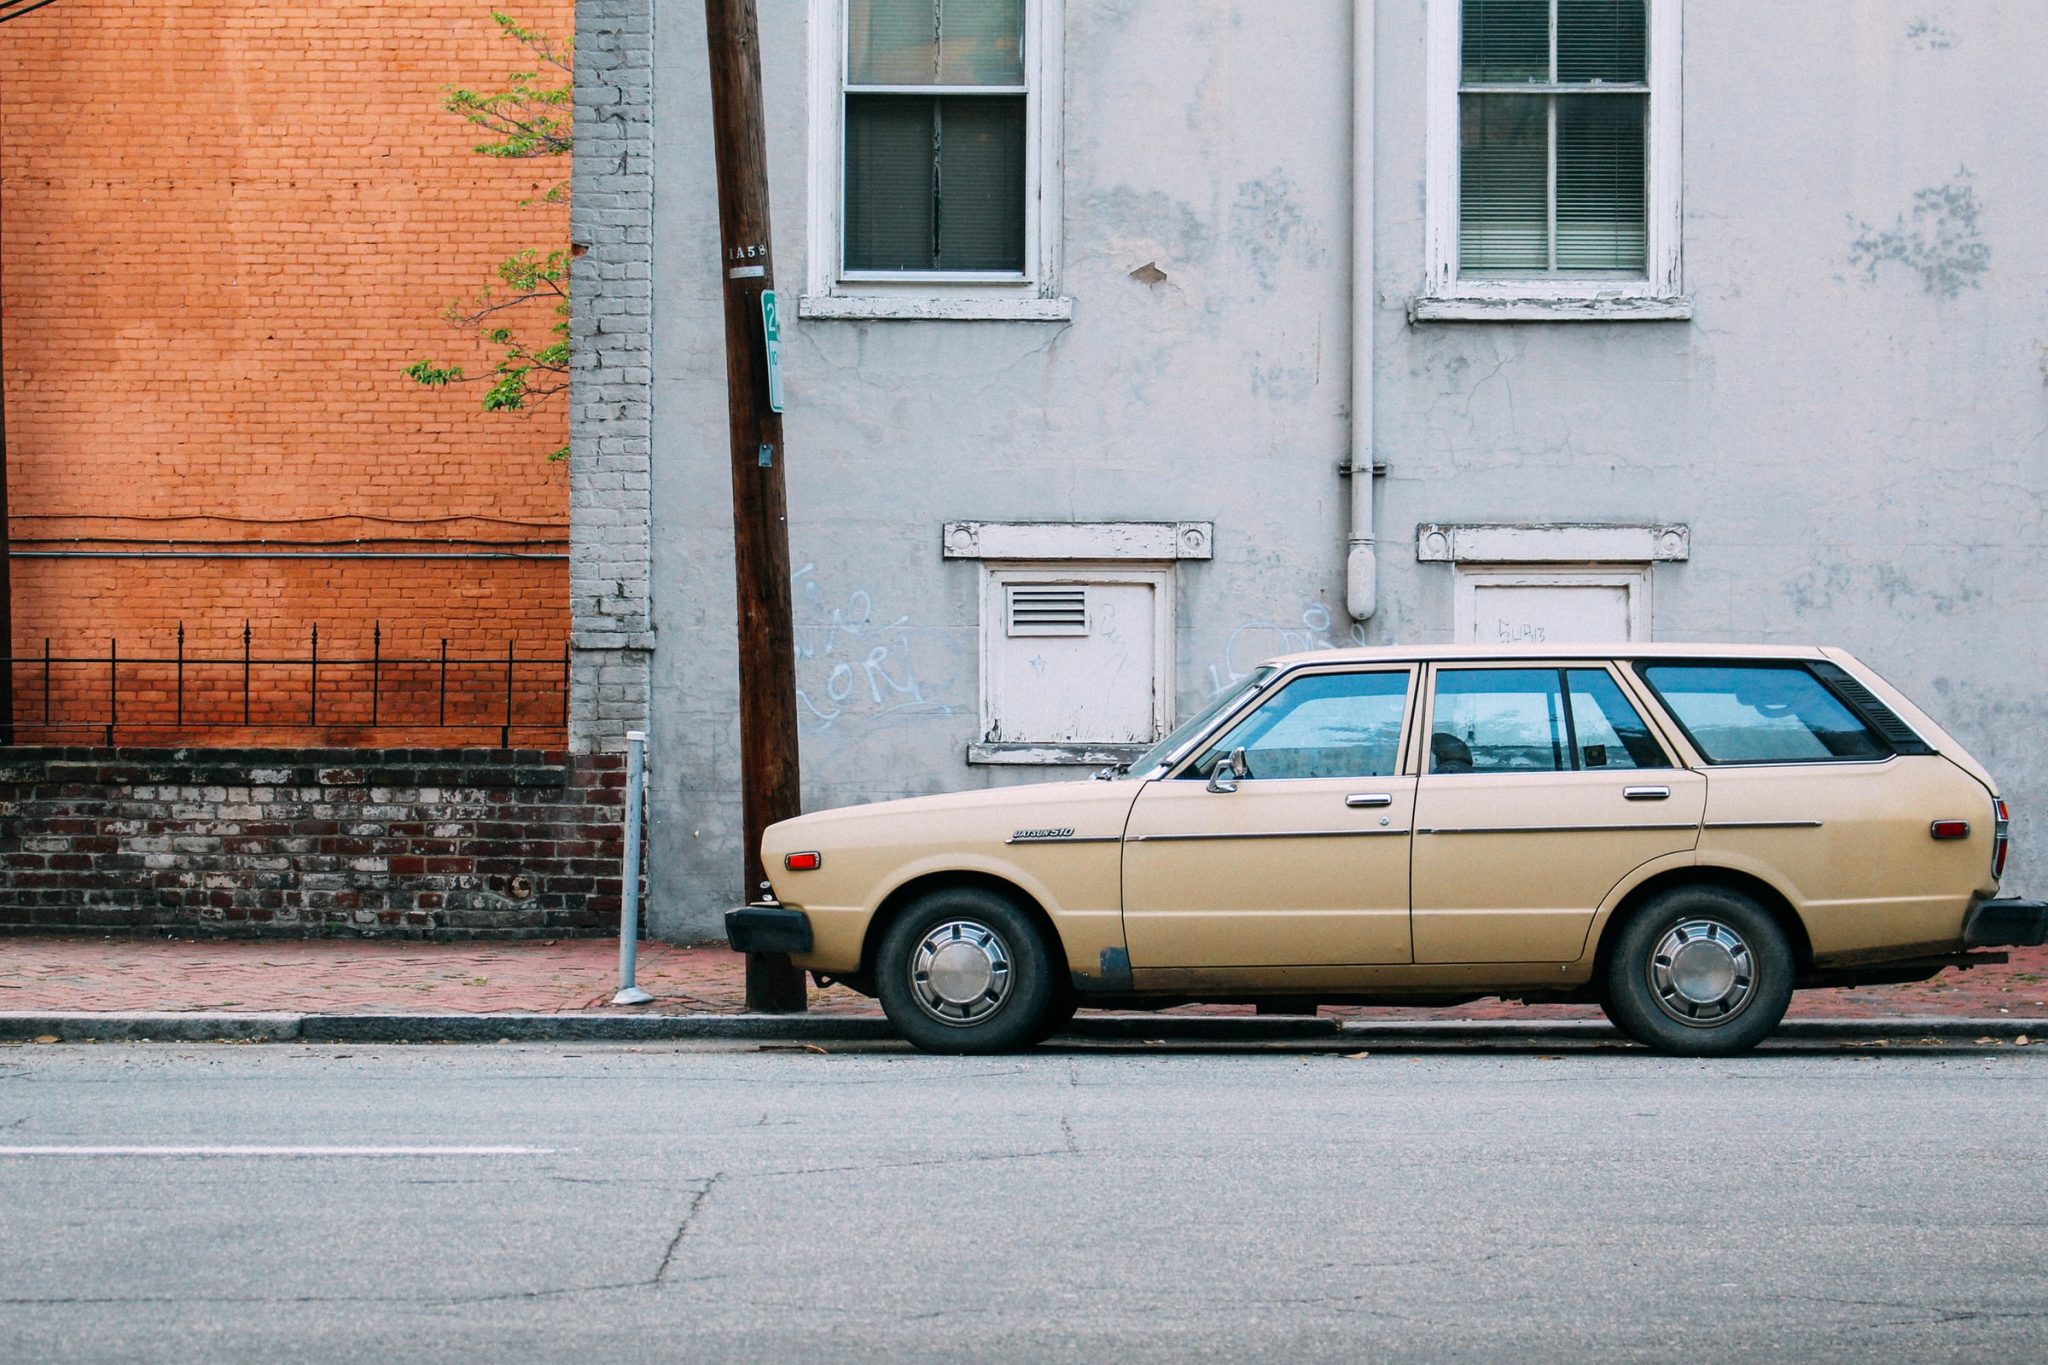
(1254, 642)
(856, 665)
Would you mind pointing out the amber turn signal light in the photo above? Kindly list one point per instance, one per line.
(803, 862)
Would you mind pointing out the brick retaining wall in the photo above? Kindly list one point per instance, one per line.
(440, 843)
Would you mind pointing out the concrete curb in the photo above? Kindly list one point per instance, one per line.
(79, 1027)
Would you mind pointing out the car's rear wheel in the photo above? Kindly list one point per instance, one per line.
(1699, 971)
(965, 971)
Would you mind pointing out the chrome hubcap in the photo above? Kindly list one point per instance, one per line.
(960, 972)
(1702, 972)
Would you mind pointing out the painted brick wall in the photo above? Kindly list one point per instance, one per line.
(228, 228)
(415, 843)
(611, 408)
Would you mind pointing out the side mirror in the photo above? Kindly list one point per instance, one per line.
(1228, 770)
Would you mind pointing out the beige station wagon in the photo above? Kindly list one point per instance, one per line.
(1682, 834)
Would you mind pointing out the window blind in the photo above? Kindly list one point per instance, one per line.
(1555, 180)
(935, 182)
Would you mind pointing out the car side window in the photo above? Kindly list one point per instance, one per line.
(1323, 725)
(1499, 720)
(1761, 713)
(1607, 732)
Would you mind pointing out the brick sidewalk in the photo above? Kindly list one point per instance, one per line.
(345, 976)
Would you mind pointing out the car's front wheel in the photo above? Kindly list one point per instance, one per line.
(1699, 971)
(965, 971)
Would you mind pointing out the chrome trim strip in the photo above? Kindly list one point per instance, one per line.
(1551, 829)
(1263, 834)
(1067, 839)
(1763, 824)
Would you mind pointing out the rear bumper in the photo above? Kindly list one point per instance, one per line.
(768, 929)
(2006, 924)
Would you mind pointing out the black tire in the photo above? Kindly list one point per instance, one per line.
(938, 951)
(1058, 1014)
(1699, 971)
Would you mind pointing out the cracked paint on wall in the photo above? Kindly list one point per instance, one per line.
(1928, 36)
(1940, 238)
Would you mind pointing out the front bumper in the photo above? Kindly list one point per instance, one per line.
(2006, 924)
(768, 929)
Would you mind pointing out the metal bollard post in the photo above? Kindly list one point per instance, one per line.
(629, 909)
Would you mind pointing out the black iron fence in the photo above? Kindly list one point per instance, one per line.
(102, 694)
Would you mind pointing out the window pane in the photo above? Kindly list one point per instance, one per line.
(981, 42)
(1506, 40)
(1610, 733)
(1761, 714)
(1602, 40)
(981, 183)
(1502, 192)
(1498, 720)
(892, 42)
(889, 182)
(1600, 183)
(1335, 725)
(935, 42)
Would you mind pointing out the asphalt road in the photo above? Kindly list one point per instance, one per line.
(704, 1203)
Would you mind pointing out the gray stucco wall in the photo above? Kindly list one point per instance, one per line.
(1852, 424)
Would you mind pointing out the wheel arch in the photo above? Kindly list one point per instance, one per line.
(1774, 902)
(922, 885)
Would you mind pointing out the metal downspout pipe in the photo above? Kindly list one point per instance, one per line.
(1361, 565)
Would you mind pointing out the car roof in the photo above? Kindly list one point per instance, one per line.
(1380, 654)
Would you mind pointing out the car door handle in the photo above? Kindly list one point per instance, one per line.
(1357, 799)
(1646, 793)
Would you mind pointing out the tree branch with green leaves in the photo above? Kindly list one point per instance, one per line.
(531, 116)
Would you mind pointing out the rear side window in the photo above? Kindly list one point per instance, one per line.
(1509, 720)
(1762, 713)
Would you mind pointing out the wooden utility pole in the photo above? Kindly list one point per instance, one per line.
(760, 523)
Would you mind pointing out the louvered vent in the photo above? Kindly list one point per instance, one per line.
(1902, 736)
(1048, 609)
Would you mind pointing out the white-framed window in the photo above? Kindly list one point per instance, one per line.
(1554, 143)
(934, 159)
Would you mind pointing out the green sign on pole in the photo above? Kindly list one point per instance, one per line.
(771, 329)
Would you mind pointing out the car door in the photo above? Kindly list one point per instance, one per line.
(1302, 860)
(1542, 788)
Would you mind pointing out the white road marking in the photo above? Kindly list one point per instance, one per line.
(221, 1149)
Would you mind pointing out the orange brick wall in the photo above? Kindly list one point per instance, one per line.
(228, 227)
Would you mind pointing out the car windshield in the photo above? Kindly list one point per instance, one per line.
(1187, 730)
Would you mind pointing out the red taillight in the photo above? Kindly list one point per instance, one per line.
(2001, 838)
(1951, 829)
(803, 862)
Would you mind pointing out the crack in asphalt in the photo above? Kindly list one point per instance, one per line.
(654, 1281)
(1928, 1313)
(683, 1228)
(897, 1165)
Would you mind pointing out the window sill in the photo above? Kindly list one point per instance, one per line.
(1050, 754)
(1434, 308)
(928, 308)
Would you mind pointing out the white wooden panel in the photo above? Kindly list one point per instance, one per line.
(1097, 686)
(1595, 606)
